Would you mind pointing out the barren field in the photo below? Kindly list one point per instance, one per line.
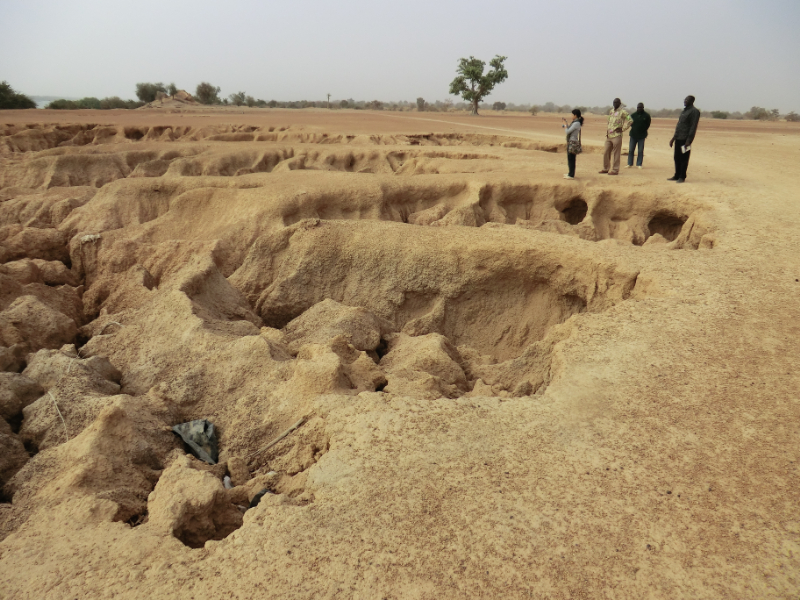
(445, 371)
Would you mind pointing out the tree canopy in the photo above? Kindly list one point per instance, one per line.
(146, 92)
(11, 99)
(238, 98)
(207, 93)
(471, 83)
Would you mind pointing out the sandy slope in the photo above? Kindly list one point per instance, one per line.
(512, 385)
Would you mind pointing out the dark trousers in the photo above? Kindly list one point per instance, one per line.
(681, 160)
(633, 146)
(571, 163)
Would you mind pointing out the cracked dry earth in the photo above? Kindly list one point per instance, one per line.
(509, 385)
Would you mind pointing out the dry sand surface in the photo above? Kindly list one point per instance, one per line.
(507, 385)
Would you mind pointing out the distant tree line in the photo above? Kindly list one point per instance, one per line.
(208, 94)
(755, 113)
(94, 103)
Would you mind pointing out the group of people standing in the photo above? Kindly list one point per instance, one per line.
(639, 122)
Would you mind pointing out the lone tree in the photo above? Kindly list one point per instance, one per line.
(146, 92)
(207, 93)
(472, 85)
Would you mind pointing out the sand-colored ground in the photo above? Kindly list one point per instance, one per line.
(508, 385)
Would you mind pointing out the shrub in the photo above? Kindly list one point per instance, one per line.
(792, 117)
(62, 105)
(117, 102)
(146, 92)
(92, 103)
(238, 98)
(172, 89)
(420, 104)
(534, 110)
(207, 93)
(344, 104)
(375, 105)
(273, 103)
(499, 106)
(11, 99)
(757, 113)
(719, 114)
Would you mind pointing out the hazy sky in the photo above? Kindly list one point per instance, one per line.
(731, 54)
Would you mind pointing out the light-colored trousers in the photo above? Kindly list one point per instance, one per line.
(613, 146)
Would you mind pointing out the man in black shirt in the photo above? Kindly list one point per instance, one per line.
(683, 138)
(641, 123)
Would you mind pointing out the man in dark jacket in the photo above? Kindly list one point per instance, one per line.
(683, 138)
(641, 123)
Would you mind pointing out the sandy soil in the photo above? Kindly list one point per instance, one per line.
(508, 384)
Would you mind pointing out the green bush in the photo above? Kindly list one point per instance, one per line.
(207, 93)
(758, 114)
(792, 117)
(719, 114)
(11, 99)
(91, 103)
(499, 106)
(172, 89)
(238, 99)
(117, 102)
(146, 92)
(94, 103)
(62, 105)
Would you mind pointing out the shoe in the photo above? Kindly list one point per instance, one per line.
(613, 173)
(639, 167)
(673, 178)
(602, 171)
(628, 166)
(568, 177)
(681, 181)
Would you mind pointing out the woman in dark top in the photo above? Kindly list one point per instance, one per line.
(573, 141)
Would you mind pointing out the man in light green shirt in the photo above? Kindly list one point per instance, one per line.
(618, 121)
